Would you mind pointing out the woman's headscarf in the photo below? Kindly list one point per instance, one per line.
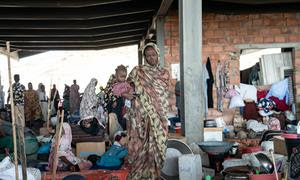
(40, 87)
(154, 46)
(89, 101)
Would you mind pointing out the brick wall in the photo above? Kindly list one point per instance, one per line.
(222, 32)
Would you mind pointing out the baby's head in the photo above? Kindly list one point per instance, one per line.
(121, 73)
(121, 137)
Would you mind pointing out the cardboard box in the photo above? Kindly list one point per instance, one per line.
(213, 134)
(84, 149)
(279, 145)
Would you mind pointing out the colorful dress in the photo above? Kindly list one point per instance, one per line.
(147, 121)
(32, 107)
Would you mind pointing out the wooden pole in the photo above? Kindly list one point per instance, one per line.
(49, 108)
(20, 121)
(12, 111)
(59, 126)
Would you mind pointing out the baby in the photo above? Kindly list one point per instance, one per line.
(122, 88)
(121, 94)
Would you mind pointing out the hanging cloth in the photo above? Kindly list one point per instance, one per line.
(210, 83)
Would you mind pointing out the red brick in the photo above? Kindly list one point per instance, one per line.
(280, 39)
(293, 38)
(297, 54)
(223, 24)
(207, 49)
(218, 49)
(247, 23)
(265, 31)
(230, 48)
(289, 15)
(234, 24)
(258, 22)
(238, 40)
(268, 39)
(243, 32)
(258, 39)
(297, 65)
(253, 32)
(272, 15)
(292, 22)
(209, 16)
(254, 16)
(267, 21)
(279, 22)
(212, 25)
(219, 33)
(275, 31)
(208, 33)
(167, 25)
(224, 56)
(221, 17)
(230, 33)
(248, 39)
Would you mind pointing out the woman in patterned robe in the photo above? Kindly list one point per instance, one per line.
(147, 119)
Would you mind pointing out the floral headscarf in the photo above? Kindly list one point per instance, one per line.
(88, 105)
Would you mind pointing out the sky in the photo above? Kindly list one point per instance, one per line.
(61, 67)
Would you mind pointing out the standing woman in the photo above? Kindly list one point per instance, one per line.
(43, 101)
(147, 119)
(89, 102)
(74, 97)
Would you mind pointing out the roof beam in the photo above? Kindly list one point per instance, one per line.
(73, 24)
(104, 46)
(73, 32)
(135, 36)
(56, 3)
(162, 11)
(78, 44)
(72, 39)
(93, 12)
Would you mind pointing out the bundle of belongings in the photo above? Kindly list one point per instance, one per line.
(269, 105)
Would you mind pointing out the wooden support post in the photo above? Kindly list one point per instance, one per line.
(12, 111)
(59, 125)
(49, 108)
(20, 122)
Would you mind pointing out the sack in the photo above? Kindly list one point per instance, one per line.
(295, 163)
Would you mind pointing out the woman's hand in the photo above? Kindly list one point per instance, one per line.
(127, 96)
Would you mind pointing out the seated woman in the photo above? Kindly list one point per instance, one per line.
(67, 161)
(114, 157)
(91, 126)
(89, 108)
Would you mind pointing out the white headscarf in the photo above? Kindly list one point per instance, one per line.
(88, 105)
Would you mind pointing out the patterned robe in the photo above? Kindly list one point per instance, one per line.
(147, 122)
(32, 108)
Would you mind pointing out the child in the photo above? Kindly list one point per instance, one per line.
(113, 158)
(120, 93)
